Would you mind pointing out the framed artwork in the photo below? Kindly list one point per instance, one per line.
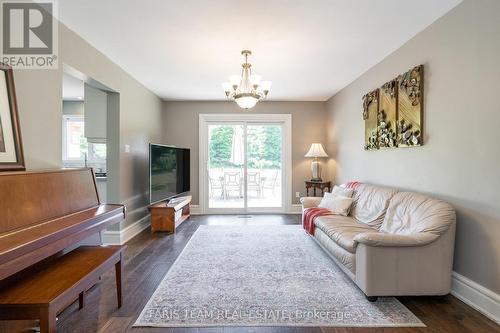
(410, 105)
(370, 116)
(393, 113)
(11, 151)
(387, 115)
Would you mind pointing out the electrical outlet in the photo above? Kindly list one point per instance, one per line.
(297, 194)
(127, 148)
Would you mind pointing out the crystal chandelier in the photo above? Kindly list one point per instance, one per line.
(246, 90)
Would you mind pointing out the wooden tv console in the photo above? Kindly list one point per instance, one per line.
(166, 217)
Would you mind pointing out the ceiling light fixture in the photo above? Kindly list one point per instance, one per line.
(246, 90)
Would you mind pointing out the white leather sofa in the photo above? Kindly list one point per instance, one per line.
(392, 243)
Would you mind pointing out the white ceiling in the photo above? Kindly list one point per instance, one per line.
(310, 49)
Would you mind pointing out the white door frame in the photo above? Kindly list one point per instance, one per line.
(284, 119)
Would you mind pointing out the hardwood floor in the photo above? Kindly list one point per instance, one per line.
(148, 258)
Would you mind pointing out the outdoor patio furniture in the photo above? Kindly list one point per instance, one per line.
(271, 181)
(216, 183)
(254, 183)
(232, 183)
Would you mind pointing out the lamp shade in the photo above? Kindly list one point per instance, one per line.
(227, 86)
(316, 150)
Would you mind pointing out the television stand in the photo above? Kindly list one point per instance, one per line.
(167, 216)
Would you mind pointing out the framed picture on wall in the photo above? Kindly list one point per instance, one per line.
(11, 150)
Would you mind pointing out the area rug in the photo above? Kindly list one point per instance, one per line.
(263, 276)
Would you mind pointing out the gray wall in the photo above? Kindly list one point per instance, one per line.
(39, 95)
(71, 108)
(460, 159)
(180, 126)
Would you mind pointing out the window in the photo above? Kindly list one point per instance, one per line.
(97, 152)
(75, 145)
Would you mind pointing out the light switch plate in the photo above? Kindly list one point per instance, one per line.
(127, 148)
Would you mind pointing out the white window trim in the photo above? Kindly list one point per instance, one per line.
(284, 119)
(65, 119)
(65, 158)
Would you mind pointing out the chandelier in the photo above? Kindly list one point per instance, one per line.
(246, 90)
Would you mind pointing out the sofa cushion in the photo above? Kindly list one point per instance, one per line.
(336, 204)
(370, 204)
(342, 191)
(346, 258)
(411, 213)
(342, 230)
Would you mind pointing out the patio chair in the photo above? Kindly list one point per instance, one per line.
(254, 183)
(271, 182)
(216, 183)
(232, 183)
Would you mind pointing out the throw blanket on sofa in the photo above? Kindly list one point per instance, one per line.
(353, 185)
(310, 214)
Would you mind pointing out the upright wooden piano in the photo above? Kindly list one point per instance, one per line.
(43, 213)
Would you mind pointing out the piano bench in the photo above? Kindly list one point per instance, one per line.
(55, 286)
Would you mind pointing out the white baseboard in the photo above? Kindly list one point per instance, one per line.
(195, 209)
(119, 237)
(295, 209)
(476, 296)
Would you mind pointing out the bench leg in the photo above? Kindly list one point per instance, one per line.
(81, 300)
(118, 273)
(47, 320)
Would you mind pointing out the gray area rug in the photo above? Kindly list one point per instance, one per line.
(263, 276)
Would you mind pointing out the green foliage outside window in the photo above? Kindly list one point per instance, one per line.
(263, 147)
(220, 146)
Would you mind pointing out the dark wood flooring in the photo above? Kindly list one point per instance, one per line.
(148, 258)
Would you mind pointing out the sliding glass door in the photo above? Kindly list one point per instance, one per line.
(264, 161)
(243, 166)
(226, 161)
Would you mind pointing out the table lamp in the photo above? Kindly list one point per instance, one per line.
(316, 151)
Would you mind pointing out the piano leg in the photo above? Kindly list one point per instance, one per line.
(47, 320)
(81, 300)
(118, 273)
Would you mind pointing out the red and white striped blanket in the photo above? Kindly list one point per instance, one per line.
(310, 214)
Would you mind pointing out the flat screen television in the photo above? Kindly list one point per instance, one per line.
(168, 172)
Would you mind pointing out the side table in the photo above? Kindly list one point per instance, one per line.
(321, 185)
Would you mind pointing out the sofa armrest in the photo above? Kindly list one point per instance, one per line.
(380, 239)
(396, 270)
(309, 202)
